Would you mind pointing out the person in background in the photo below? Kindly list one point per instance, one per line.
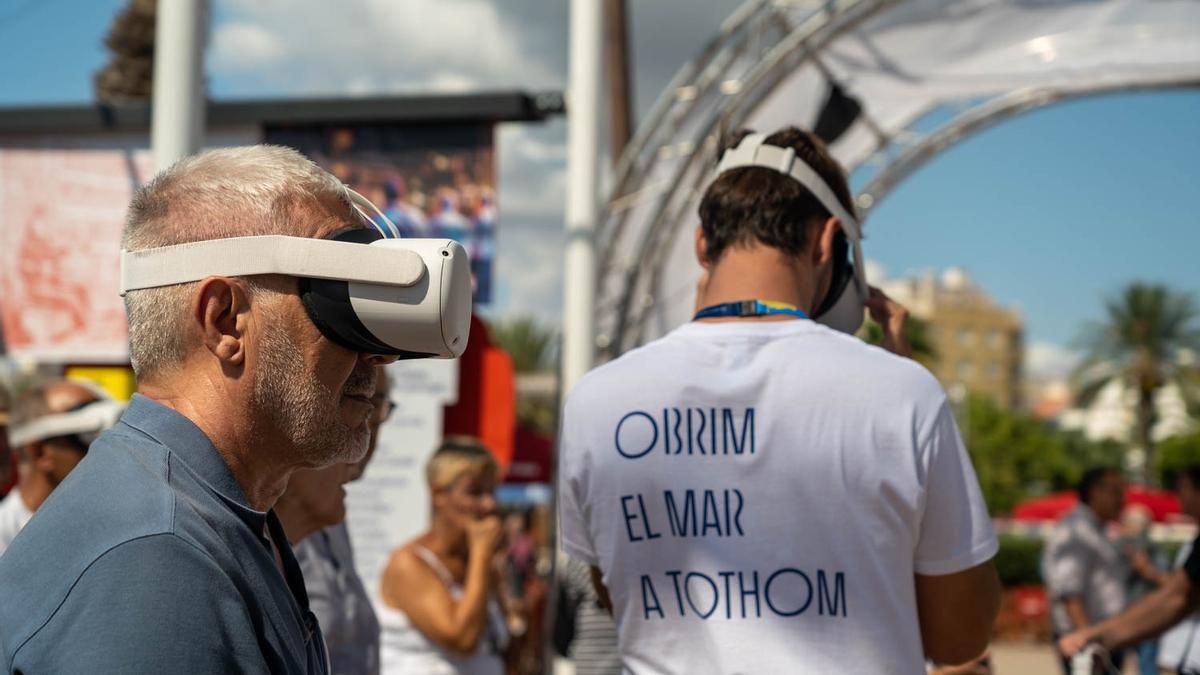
(1085, 574)
(1145, 572)
(1177, 650)
(584, 631)
(165, 554)
(8, 459)
(440, 595)
(52, 426)
(314, 499)
(1173, 604)
(521, 562)
(335, 592)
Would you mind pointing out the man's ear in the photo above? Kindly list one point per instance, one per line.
(823, 245)
(702, 248)
(220, 309)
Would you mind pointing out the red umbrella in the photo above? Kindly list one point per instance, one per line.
(1161, 503)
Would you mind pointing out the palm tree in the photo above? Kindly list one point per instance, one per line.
(532, 348)
(529, 344)
(1149, 340)
(129, 74)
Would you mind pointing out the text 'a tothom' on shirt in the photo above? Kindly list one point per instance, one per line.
(149, 559)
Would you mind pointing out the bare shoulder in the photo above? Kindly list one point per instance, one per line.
(406, 570)
(405, 563)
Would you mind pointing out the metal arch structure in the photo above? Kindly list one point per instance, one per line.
(971, 122)
(662, 174)
(742, 63)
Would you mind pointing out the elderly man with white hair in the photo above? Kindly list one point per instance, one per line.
(260, 301)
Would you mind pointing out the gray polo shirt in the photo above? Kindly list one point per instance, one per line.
(340, 601)
(1081, 562)
(148, 559)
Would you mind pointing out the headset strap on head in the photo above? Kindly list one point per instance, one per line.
(91, 418)
(270, 254)
(753, 151)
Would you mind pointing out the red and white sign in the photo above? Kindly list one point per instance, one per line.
(61, 212)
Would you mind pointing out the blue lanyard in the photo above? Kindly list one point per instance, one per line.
(744, 308)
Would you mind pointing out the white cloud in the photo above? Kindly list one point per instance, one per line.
(241, 46)
(532, 172)
(378, 46)
(1046, 360)
(875, 271)
(529, 265)
(449, 82)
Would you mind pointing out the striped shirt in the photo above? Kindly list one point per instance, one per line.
(594, 649)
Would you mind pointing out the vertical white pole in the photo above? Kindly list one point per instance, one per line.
(583, 140)
(177, 113)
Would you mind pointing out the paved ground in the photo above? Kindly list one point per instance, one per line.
(1024, 659)
(1007, 659)
(1014, 658)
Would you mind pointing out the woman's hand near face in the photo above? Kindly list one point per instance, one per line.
(484, 536)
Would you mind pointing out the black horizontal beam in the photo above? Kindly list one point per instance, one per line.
(513, 106)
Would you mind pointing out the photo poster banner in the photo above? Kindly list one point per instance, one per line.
(430, 180)
(389, 505)
(63, 199)
(62, 207)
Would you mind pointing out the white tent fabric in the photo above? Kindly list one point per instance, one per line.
(900, 60)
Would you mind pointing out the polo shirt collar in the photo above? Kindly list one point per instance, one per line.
(188, 443)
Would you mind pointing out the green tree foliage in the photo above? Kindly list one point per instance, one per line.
(532, 348)
(1018, 562)
(1148, 340)
(530, 345)
(918, 337)
(129, 73)
(1017, 456)
(1176, 454)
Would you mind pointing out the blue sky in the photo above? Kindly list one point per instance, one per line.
(1054, 209)
(1048, 212)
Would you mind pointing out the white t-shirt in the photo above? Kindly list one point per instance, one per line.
(13, 516)
(1178, 648)
(759, 495)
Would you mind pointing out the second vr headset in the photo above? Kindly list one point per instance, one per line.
(364, 288)
(842, 307)
(83, 424)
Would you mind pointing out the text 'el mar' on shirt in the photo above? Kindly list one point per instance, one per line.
(759, 495)
(149, 559)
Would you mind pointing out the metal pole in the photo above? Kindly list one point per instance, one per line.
(177, 115)
(616, 53)
(583, 140)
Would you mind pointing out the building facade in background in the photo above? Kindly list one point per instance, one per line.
(978, 344)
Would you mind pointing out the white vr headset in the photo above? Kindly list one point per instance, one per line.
(86, 423)
(842, 307)
(364, 288)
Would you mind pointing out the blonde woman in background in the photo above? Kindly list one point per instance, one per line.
(440, 607)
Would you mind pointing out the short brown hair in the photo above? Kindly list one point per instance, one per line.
(758, 205)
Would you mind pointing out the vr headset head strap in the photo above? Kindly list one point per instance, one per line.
(753, 151)
(269, 254)
(89, 419)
